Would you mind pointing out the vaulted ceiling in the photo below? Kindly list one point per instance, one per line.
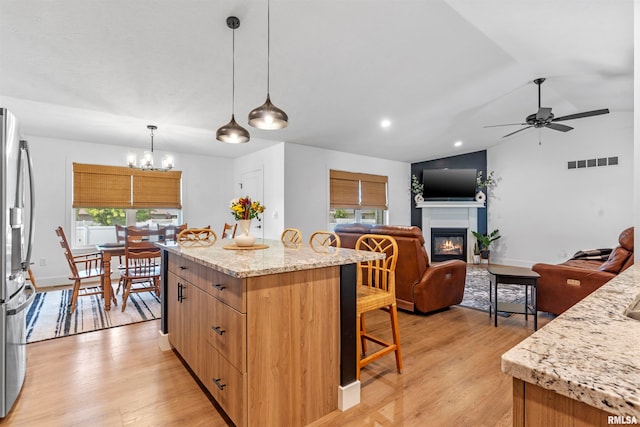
(439, 70)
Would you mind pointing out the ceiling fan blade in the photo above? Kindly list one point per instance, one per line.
(581, 115)
(508, 124)
(557, 126)
(543, 113)
(519, 130)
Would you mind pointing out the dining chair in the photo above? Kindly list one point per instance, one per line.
(291, 236)
(197, 237)
(142, 267)
(229, 231)
(172, 231)
(121, 233)
(321, 241)
(375, 282)
(87, 268)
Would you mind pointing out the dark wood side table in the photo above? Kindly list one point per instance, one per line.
(513, 276)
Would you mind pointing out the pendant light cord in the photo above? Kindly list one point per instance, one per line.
(268, 42)
(152, 142)
(233, 73)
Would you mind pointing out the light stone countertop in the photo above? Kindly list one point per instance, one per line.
(275, 259)
(591, 352)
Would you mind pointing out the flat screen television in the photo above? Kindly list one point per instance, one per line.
(449, 184)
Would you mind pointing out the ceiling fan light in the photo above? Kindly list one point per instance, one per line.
(232, 133)
(268, 116)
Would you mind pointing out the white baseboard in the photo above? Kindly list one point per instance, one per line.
(163, 341)
(349, 395)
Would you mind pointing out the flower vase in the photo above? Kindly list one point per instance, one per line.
(244, 239)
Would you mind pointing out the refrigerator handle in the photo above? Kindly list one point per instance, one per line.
(32, 208)
(26, 304)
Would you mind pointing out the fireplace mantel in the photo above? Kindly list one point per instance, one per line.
(450, 204)
(450, 214)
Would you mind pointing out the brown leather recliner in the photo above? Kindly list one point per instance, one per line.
(420, 286)
(563, 285)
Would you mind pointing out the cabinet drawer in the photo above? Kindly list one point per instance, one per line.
(224, 288)
(183, 268)
(221, 286)
(227, 331)
(227, 385)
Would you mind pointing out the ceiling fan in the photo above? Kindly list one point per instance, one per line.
(545, 118)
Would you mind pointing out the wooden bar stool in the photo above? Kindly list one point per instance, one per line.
(376, 291)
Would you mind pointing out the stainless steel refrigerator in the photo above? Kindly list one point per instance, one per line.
(16, 185)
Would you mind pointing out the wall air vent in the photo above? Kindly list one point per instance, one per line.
(590, 163)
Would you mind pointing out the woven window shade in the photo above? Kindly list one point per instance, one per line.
(156, 189)
(374, 194)
(344, 190)
(357, 190)
(96, 186)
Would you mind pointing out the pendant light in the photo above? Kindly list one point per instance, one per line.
(232, 132)
(268, 116)
(146, 163)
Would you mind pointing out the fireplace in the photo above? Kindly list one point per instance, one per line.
(448, 243)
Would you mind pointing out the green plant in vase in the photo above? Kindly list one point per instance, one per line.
(485, 241)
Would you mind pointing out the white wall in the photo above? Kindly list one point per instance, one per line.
(307, 185)
(546, 212)
(271, 162)
(205, 182)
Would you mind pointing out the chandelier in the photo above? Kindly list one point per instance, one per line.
(146, 163)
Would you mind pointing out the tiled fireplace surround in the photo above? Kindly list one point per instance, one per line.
(453, 214)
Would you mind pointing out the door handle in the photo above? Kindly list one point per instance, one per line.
(27, 303)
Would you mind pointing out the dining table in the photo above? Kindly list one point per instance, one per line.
(109, 250)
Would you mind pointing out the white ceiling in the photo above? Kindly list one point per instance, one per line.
(100, 71)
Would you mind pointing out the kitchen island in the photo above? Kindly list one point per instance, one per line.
(582, 368)
(269, 332)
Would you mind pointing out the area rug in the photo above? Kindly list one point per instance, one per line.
(48, 317)
(476, 291)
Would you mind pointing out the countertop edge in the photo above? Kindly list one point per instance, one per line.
(590, 352)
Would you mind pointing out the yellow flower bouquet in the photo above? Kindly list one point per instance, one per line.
(244, 208)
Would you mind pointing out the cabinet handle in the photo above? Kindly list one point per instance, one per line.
(179, 292)
(219, 287)
(218, 330)
(182, 267)
(218, 384)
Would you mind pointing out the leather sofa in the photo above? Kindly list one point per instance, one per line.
(563, 285)
(420, 286)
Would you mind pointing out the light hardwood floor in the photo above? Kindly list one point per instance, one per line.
(120, 377)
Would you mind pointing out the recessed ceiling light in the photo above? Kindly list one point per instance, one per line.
(458, 144)
(385, 123)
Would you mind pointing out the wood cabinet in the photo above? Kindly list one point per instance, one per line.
(266, 347)
(536, 406)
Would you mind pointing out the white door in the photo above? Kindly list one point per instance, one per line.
(251, 185)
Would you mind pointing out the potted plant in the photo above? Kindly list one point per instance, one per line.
(476, 253)
(417, 188)
(485, 240)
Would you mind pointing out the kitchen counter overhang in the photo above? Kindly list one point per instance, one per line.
(590, 353)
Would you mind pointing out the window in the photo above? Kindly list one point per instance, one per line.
(357, 198)
(104, 196)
